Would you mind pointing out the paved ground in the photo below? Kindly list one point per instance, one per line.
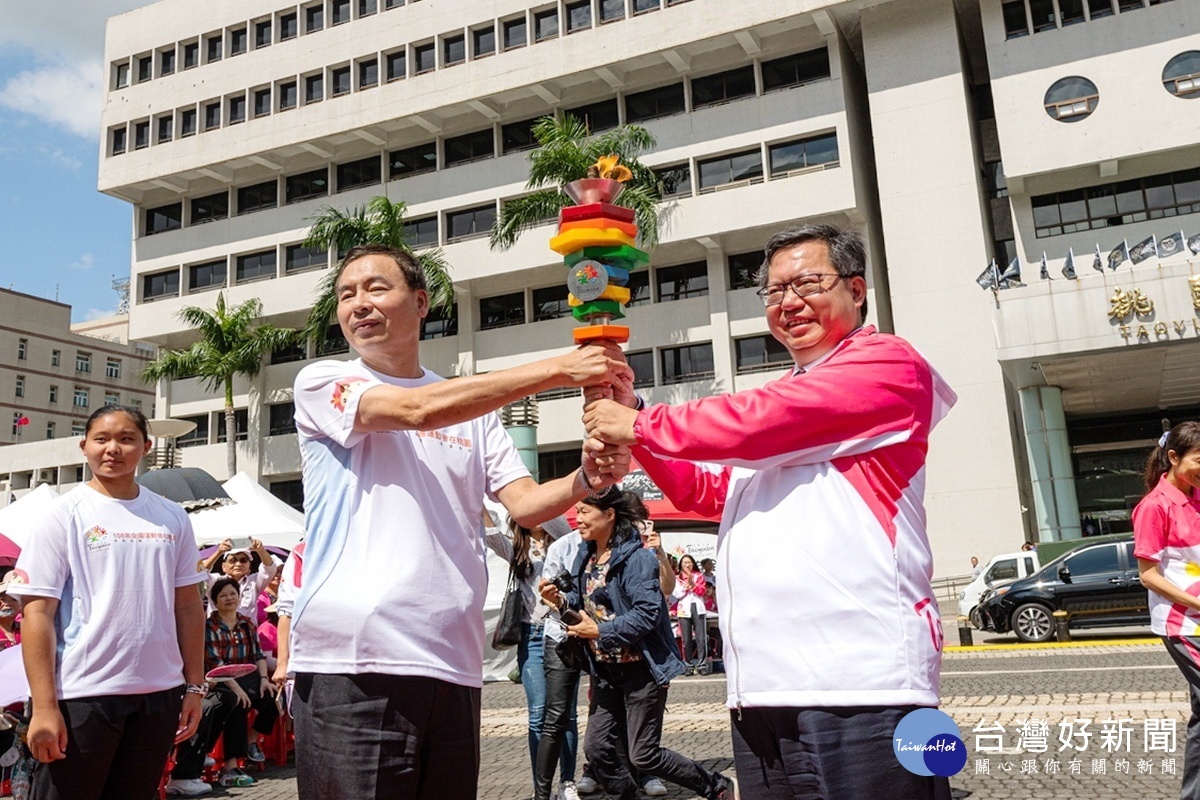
(1123, 689)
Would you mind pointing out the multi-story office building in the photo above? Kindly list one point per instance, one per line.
(948, 133)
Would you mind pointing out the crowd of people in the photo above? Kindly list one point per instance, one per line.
(382, 634)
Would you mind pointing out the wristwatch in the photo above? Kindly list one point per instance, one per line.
(196, 688)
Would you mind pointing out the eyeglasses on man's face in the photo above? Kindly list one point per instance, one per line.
(800, 286)
(239, 560)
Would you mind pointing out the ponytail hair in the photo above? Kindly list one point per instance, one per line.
(1183, 439)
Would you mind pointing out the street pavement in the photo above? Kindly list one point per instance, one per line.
(1021, 713)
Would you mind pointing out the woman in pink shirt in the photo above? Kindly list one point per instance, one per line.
(1166, 535)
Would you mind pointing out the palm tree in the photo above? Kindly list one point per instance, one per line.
(229, 346)
(380, 221)
(565, 151)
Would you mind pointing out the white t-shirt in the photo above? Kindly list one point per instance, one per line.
(114, 566)
(395, 577)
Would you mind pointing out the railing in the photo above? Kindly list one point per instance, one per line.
(946, 590)
(1076, 107)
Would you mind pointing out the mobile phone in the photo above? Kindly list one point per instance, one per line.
(240, 542)
(570, 617)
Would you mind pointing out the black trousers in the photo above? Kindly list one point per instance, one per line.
(221, 713)
(629, 703)
(385, 737)
(562, 692)
(825, 754)
(117, 747)
(1185, 652)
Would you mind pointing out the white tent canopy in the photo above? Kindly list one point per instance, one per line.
(19, 519)
(256, 513)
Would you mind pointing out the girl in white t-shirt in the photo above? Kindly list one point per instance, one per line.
(111, 574)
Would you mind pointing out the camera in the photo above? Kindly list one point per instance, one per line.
(563, 581)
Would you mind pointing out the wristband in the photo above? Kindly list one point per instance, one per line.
(605, 495)
(196, 688)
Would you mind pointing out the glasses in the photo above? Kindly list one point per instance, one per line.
(238, 560)
(802, 286)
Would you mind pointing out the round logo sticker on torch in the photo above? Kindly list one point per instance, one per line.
(927, 742)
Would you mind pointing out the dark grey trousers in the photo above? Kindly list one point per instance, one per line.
(1185, 651)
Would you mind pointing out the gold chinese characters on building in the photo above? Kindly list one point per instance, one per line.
(1126, 304)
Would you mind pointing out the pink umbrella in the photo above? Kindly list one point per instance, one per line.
(8, 551)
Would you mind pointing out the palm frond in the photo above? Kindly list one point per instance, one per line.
(437, 278)
(323, 309)
(522, 213)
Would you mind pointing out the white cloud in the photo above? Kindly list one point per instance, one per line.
(83, 263)
(66, 96)
(57, 28)
(93, 314)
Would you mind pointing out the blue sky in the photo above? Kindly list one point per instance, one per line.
(58, 235)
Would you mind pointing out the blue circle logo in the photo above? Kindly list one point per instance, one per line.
(927, 742)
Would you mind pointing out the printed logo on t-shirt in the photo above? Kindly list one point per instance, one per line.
(17, 576)
(97, 539)
(440, 436)
(342, 391)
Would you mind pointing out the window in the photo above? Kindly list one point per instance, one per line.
(1181, 75)
(298, 258)
(1098, 561)
(470, 223)
(306, 185)
(289, 354)
(289, 95)
(390, 4)
(483, 42)
(262, 102)
(83, 362)
(1015, 22)
(1042, 12)
(642, 365)
(237, 109)
(212, 116)
(81, 399)
(77, 430)
(558, 463)
(213, 48)
(502, 311)
(545, 24)
(314, 18)
(191, 55)
(439, 323)
(760, 353)
(241, 425)
(743, 267)
(339, 11)
(682, 280)
(262, 34)
(421, 232)
(1122, 203)
(49, 430)
(579, 16)
(550, 302)
(396, 66)
(292, 492)
(1071, 99)
(281, 419)
(641, 106)
(1070, 12)
(611, 10)
(141, 135)
(364, 172)
(145, 68)
(207, 275)
(1100, 8)
(314, 88)
(166, 127)
(239, 41)
(517, 135)
(22, 349)
(743, 168)
(367, 7)
(425, 58)
(597, 116)
(199, 435)
(693, 362)
(20, 386)
(722, 87)
(164, 218)
(112, 399)
(210, 207)
(187, 122)
(118, 141)
(642, 6)
(368, 73)
(340, 81)
(334, 342)
(166, 62)
(159, 284)
(53, 394)
(121, 78)
(469, 147)
(55, 357)
(454, 50)
(255, 266)
(1129, 5)
(789, 158)
(795, 70)
(516, 33)
(289, 27)
(258, 197)
(675, 180)
(639, 288)
(412, 160)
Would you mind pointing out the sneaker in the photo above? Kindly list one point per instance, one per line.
(655, 788)
(723, 790)
(209, 761)
(187, 787)
(567, 791)
(254, 753)
(586, 785)
(236, 778)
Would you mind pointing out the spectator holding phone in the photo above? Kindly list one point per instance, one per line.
(236, 558)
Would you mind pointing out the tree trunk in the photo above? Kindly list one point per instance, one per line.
(230, 431)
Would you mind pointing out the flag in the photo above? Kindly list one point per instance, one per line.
(1194, 244)
(1143, 250)
(1118, 255)
(990, 277)
(1098, 261)
(1068, 269)
(1171, 246)
(1012, 273)
(1044, 274)
(21, 420)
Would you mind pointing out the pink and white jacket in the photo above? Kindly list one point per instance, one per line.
(824, 564)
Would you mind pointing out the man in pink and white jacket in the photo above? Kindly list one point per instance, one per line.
(831, 630)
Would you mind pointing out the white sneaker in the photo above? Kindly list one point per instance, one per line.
(654, 788)
(567, 791)
(188, 787)
(586, 785)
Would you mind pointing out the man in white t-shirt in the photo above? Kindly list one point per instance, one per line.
(388, 623)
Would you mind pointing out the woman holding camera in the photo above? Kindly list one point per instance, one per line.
(630, 649)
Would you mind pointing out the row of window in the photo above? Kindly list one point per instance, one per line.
(781, 160)
(83, 360)
(81, 397)
(200, 435)
(364, 73)
(1154, 197)
(1023, 16)
(77, 426)
(248, 267)
(1075, 98)
(289, 23)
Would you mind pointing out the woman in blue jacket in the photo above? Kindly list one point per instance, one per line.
(631, 651)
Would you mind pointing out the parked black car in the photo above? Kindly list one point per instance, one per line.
(1097, 585)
